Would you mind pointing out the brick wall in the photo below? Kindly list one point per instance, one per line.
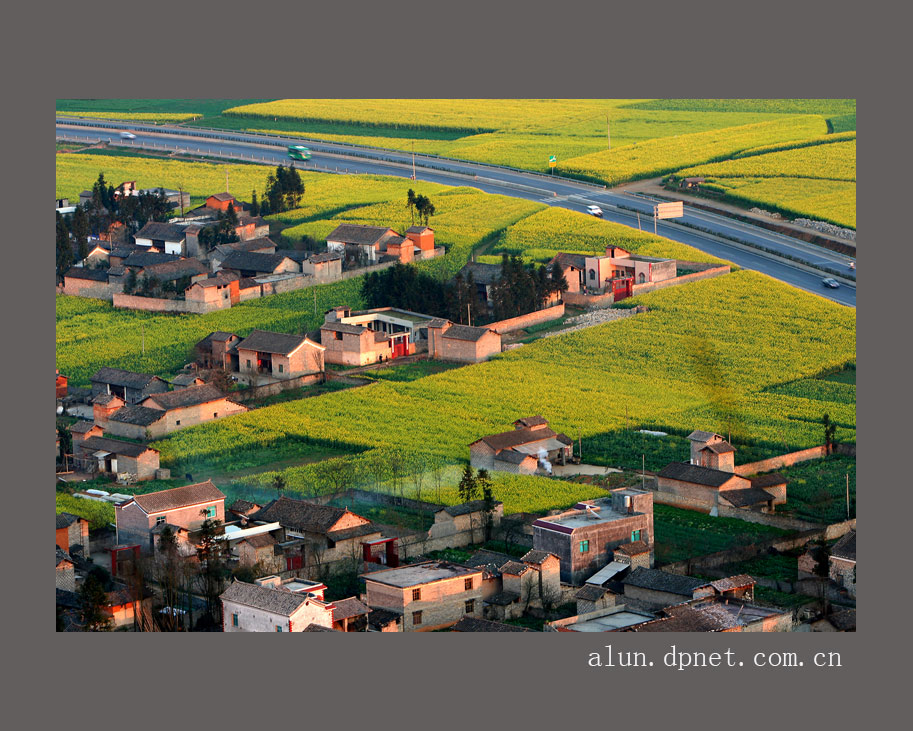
(269, 389)
(90, 288)
(143, 467)
(713, 271)
(783, 460)
(158, 304)
(442, 603)
(592, 301)
(66, 577)
(533, 318)
(252, 620)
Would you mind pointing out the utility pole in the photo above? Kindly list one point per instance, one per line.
(638, 222)
(847, 495)
(654, 220)
(226, 178)
(413, 159)
(608, 134)
(468, 314)
(315, 301)
(643, 472)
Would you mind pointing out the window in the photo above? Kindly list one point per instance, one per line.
(584, 546)
(177, 422)
(416, 595)
(215, 414)
(248, 364)
(470, 606)
(635, 535)
(592, 274)
(210, 512)
(234, 621)
(338, 335)
(467, 584)
(416, 617)
(278, 628)
(280, 368)
(160, 520)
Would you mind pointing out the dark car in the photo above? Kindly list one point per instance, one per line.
(832, 283)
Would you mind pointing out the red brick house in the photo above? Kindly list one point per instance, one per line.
(72, 533)
(422, 238)
(461, 343)
(532, 445)
(585, 538)
(278, 355)
(181, 507)
(113, 456)
(130, 387)
(357, 242)
(61, 385)
(217, 350)
(221, 201)
(369, 336)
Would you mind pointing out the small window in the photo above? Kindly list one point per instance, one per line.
(416, 595)
(470, 606)
(338, 335)
(234, 620)
(592, 274)
(177, 422)
(210, 511)
(278, 628)
(215, 414)
(160, 520)
(467, 584)
(635, 535)
(416, 617)
(280, 368)
(248, 365)
(584, 546)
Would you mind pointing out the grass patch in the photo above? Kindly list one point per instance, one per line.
(410, 371)
(816, 490)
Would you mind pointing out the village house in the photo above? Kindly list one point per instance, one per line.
(364, 244)
(324, 267)
(461, 343)
(531, 446)
(316, 538)
(592, 598)
(66, 573)
(842, 563)
(217, 350)
(83, 430)
(84, 282)
(128, 386)
(465, 522)
(166, 237)
(241, 509)
(174, 271)
(137, 258)
(717, 614)
(370, 336)
(485, 277)
(708, 480)
(655, 589)
(422, 239)
(585, 537)
(113, 456)
(617, 271)
(73, 534)
(430, 595)
(182, 380)
(262, 551)
(474, 624)
(180, 507)
(277, 356)
(271, 605)
(511, 586)
(161, 413)
(254, 264)
(259, 245)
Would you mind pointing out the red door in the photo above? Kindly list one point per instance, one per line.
(621, 288)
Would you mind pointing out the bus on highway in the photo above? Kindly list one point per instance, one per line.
(299, 152)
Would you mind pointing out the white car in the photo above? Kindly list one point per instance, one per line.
(127, 136)
(594, 211)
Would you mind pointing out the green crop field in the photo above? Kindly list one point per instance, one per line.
(99, 514)
(129, 108)
(816, 490)
(153, 117)
(700, 358)
(540, 236)
(816, 181)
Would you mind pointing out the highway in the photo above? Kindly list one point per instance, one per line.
(747, 246)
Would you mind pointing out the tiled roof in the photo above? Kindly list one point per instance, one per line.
(688, 619)
(695, 473)
(578, 261)
(115, 446)
(482, 273)
(358, 234)
(719, 447)
(81, 427)
(365, 529)
(62, 556)
(270, 342)
(65, 520)
(142, 258)
(437, 322)
(261, 540)
(275, 601)
(170, 270)
(319, 628)
(417, 229)
(324, 257)
(514, 568)
(535, 557)
(118, 377)
(380, 618)
(258, 244)
(512, 456)
(472, 624)
(502, 599)
(179, 497)
(491, 561)
(633, 549)
(844, 620)
(516, 438)
(243, 506)
(342, 327)
(137, 415)
(219, 279)
(189, 396)
(95, 275)
(300, 515)
(537, 420)
(185, 379)
(465, 332)
(163, 231)
(252, 261)
(663, 581)
(223, 197)
(845, 548)
(702, 436)
(768, 480)
(348, 608)
(590, 593)
(747, 497)
(738, 581)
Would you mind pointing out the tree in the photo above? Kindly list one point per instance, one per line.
(66, 442)
(410, 203)
(416, 467)
(79, 227)
(467, 488)
(169, 572)
(130, 282)
(279, 484)
(93, 603)
(64, 248)
(558, 279)
(254, 206)
(424, 207)
(212, 575)
(830, 429)
(484, 484)
(822, 571)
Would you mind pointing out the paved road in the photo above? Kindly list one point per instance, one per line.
(719, 235)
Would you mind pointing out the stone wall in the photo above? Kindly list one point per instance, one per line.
(159, 304)
(532, 318)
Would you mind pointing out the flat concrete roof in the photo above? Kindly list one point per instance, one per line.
(609, 622)
(605, 515)
(421, 573)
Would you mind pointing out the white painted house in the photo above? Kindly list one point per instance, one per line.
(167, 237)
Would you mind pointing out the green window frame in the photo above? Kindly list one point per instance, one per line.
(234, 621)
(584, 546)
(635, 535)
(210, 511)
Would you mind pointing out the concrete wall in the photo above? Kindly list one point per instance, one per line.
(252, 620)
(442, 603)
(532, 318)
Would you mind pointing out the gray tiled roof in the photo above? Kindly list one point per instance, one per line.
(275, 601)
(142, 258)
(473, 624)
(163, 231)
(358, 234)
(846, 547)
(687, 472)
(65, 520)
(348, 608)
(517, 437)
(119, 377)
(189, 396)
(179, 497)
(95, 275)
(252, 261)
(482, 273)
(299, 514)
(590, 593)
(701, 436)
(747, 497)
(535, 557)
(465, 332)
(663, 581)
(270, 342)
(116, 446)
(137, 415)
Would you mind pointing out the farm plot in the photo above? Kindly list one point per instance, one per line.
(676, 372)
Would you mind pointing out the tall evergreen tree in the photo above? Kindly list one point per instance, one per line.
(64, 248)
(467, 488)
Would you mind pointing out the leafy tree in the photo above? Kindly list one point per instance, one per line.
(279, 484)
(558, 280)
(93, 602)
(830, 429)
(468, 486)
(410, 203)
(254, 206)
(66, 441)
(483, 482)
(79, 227)
(64, 248)
(424, 207)
(130, 282)
(213, 572)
